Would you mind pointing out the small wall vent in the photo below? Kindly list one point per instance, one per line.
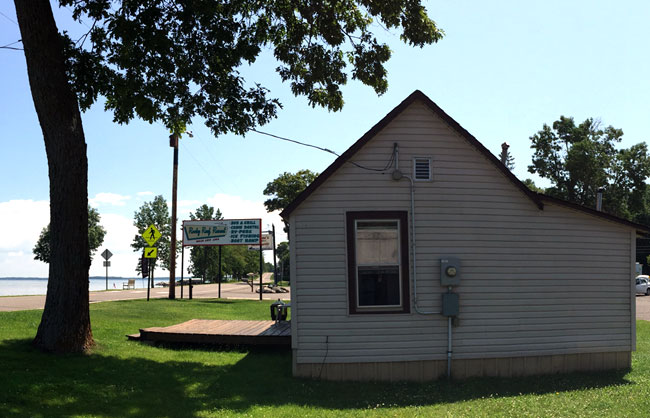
(422, 169)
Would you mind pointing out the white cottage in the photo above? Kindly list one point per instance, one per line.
(417, 254)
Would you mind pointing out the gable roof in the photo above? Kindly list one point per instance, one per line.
(537, 198)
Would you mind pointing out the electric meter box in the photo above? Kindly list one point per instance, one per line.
(450, 304)
(449, 271)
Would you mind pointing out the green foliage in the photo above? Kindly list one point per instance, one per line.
(532, 186)
(285, 188)
(284, 259)
(155, 212)
(238, 261)
(96, 234)
(173, 60)
(580, 159)
(204, 261)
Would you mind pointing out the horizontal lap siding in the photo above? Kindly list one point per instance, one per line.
(533, 282)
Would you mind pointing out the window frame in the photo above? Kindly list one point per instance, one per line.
(404, 257)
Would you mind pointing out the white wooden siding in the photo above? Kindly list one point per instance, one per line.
(533, 282)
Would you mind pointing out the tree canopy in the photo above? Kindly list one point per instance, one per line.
(155, 212)
(580, 159)
(285, 188)
(171, 61)
(204, 261)
(96, 234)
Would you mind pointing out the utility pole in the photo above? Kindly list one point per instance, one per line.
(173, 142)
(275, 267)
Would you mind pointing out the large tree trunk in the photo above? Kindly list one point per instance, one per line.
(65, 325)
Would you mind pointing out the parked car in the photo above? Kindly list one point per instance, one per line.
(643, 284)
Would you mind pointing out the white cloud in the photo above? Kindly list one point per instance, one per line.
(112, 199)
(187, 204)
(119, 235)
(21, 222)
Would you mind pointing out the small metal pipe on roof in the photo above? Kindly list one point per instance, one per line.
(599, 200)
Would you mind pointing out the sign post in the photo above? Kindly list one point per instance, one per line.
(150, 235)
(107, 254)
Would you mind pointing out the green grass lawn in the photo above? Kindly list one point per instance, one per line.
(129, 379)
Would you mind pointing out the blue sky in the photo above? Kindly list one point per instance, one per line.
(503, 69)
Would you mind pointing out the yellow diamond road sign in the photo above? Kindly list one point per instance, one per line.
(151, 235)
(150, 252)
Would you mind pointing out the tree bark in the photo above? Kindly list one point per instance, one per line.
(65, 324)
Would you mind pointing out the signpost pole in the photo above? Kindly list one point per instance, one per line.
(261, 264)
(148, 278)
(107, 255)
(182, 267)
(275, 267)
(220, 272)
(173, 142)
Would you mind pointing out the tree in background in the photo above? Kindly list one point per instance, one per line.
(155, 212)
(170, 61)
(204, 260)
(532, 186)
(284, 259)
(285, 188)
(238, 261)
(96, 234)
(580, 159)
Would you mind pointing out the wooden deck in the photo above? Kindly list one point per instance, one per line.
(221, 332)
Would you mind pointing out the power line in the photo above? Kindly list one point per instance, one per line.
(215, 160)
(8, 18)
(13, 43)
(203, 168)
(380, 170)
(296, 142)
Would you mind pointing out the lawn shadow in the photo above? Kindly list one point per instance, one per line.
(37, 384)
(214, 301)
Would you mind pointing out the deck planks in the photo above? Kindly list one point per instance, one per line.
(222, 332)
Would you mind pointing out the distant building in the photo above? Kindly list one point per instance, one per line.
(542, 285)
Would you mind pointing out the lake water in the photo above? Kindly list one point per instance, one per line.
(12, 286)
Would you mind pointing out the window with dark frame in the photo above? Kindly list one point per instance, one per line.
(378, 262)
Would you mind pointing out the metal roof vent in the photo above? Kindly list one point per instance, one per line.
(422, 169)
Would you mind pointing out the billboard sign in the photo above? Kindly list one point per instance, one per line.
(267, 243)
(222, 232)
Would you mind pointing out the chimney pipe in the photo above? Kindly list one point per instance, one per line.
(504, 153)
(599, 200)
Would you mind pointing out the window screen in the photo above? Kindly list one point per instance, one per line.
(378, 262)
(378, 278)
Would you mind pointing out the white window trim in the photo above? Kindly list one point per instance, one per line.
(399, 266)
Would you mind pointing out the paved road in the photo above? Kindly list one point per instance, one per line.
(228, 291)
